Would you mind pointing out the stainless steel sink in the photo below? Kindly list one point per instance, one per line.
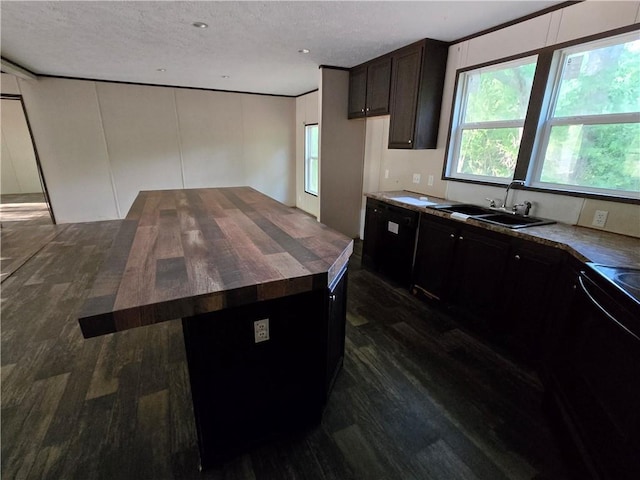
(465, 209)
(494, 216)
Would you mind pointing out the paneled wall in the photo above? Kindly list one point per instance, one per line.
(396, 167)
(100, 143)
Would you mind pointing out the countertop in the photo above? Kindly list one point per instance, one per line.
(180, 253)
(585, 244)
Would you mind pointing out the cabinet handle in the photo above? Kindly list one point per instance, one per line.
(332, 297)
(367, 109)
(517, 257)
(460, 238)
(362, 110)
(452, 236)
(409, 142)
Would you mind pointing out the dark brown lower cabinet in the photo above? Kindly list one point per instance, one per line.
(477, 285)
(528, 287)
(434, 257)
(336, 330)
(463, 266)
(245, 393)
(498, 284)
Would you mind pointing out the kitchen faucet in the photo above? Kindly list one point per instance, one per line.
(506, 194)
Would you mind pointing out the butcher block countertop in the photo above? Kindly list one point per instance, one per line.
(585, 244)
(180, 253)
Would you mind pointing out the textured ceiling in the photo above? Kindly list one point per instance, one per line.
(254, 43)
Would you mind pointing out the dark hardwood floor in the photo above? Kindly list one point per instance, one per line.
(418, 398)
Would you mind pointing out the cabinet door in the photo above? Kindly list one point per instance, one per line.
(378, 87)
(434, 257)
(374, 226)
(478, 272)
(336, 323)
(357, 92)
(529, 285)
(404, 96)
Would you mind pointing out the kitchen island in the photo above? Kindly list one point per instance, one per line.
(222, 259)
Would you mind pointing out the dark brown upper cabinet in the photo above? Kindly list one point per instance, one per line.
(357, 91)
(369, 88)
(416, 94)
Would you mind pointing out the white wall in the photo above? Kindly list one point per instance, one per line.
(306, 114)
(100, 143)
(569, 23)
(19, 169)
(341, 155)
(67, 128)
(269, 144)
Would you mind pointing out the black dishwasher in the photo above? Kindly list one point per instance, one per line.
(596, 370)
(390, 240)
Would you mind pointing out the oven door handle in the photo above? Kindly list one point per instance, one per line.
(600, 307)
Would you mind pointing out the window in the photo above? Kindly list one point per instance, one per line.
(311, 159)
(489, 118)
(579, 132)
(590, 139)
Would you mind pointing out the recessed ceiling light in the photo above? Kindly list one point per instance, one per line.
(303, 50)
(161, 69)
(199, 25)
(225, 76)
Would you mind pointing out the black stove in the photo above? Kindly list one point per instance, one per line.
(624, 278)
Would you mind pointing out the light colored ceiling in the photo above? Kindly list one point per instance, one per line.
(254, 43)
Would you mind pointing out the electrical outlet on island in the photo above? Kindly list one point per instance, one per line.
(416, 178)
(261, 330)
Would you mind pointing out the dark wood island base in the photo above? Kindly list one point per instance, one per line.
(221, 259)
(245, 393)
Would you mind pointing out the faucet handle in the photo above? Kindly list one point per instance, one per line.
(525, 206)
(492, 202)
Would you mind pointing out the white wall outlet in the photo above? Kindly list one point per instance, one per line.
(386, 173)
(416, 178)
(430, 180)
(261, 330)
(600, 218)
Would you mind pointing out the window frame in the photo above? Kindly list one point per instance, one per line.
(548, 121)
(539, 101)
(306, 159)
(459, 111)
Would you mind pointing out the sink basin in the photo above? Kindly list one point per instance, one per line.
(465, 209)
(493, 216)
(512, 221)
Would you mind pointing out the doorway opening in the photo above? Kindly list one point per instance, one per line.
(24, 199)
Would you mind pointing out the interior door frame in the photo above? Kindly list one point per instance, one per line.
(43, 183)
